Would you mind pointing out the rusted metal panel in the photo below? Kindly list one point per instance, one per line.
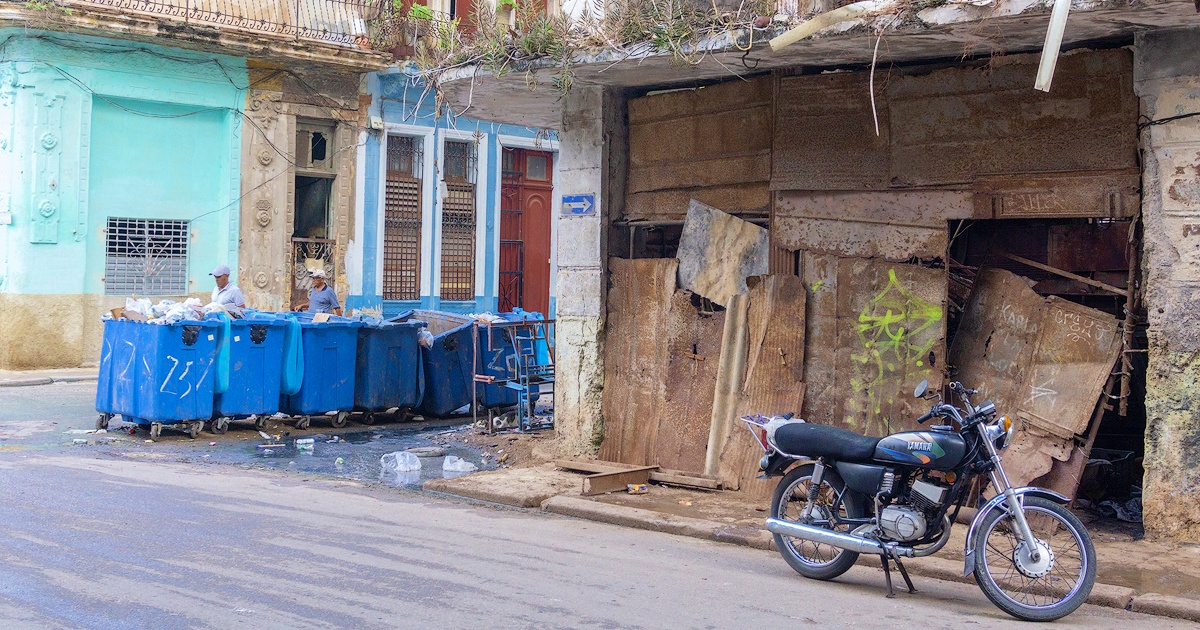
(718, 251)
(825, 135)
(952, 125)
(774, 376)
(635, 357)
(699, 170)
(721, 97)
(864, 240)
(693, 353)
(822, 400)
(1094, 246)
(1074, 356)
(1113, 194)
(891, 332)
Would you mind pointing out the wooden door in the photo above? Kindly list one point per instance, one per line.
(525, 213)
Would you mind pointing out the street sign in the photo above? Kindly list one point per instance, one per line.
(579, 205)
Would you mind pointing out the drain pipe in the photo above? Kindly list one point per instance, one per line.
(1054, 37)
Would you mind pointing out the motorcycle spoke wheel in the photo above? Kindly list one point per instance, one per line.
(812, 553)
(811, 559)
(1051, 587)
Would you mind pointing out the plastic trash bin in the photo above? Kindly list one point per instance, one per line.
(449, 373)
(158, 375)
(255, 347)
(330, 348)
(389, 370)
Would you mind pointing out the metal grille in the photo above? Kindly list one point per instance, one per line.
(311, 253)
(146, 257)
(512, 235)
(336, 21)
(458, 242)
(459, 163)
(402, 220)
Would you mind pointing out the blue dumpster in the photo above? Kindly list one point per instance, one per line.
(389, 371)
(159, 374)
(254, 350)
(498, 359)
(329, 365)
(448, 361)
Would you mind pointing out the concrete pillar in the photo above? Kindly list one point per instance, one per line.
(1167, 78)
(592, 150)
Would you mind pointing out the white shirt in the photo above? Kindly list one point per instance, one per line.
(229, 297)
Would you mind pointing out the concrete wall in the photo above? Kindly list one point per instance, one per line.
(92, 128)
(595, 141)
(405, 110)
(1168, 81)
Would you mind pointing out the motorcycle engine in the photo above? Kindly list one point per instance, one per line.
(909, 519)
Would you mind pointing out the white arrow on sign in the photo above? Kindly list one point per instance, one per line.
(579, 204)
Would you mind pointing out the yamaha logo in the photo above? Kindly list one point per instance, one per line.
(920, 446)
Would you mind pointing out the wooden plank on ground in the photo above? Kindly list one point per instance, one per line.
(600, 483)
(672, 477)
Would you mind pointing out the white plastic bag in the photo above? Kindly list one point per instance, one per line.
(453, 463)
(425, 338)
(399, 462)
(141, 306)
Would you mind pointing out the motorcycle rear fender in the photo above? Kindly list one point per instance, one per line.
(997, 502)
(778, 464)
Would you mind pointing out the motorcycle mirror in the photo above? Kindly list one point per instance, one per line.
(922, 389)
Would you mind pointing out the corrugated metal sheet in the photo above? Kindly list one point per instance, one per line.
(693, 358)
(718, 251)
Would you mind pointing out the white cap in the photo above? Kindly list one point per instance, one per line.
(316, 273)
(220, 270)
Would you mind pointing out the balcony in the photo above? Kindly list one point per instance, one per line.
(337, 22)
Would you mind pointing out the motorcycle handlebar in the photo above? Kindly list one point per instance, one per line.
(925, 418)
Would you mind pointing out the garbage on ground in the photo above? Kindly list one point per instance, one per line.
(267, 451)
(339, 462)
(305, 444)
(79, 441)
(399, 462)
(454, 463)
(427, 451)
(270, 446)
(638, 488)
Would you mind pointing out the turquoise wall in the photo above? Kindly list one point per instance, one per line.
(101, 128)
(398, 99)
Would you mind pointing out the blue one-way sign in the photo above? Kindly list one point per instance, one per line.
(579, 205)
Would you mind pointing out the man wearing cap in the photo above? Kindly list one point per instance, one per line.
(321, 297)
(227, 294)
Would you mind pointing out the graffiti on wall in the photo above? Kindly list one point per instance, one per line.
(897, 331)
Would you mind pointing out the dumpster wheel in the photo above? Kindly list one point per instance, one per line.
(155, 430)
(302, 423)
(194, 428)
(102, 421)
(260, 422)
(368, 418)
(339, 420)
(219, 426)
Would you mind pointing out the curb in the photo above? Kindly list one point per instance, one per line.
(443, 486)
(1107, 595)
(30, 382)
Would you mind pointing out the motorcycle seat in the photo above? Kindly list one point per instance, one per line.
(815, 440)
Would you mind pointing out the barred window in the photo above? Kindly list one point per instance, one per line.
(146, 257)
(458, 223)
(402, 220)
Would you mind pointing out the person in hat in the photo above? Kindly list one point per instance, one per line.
(321, 297)
(226, 294)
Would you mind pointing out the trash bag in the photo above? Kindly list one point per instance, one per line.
(425, 338)
(399, 461)
(453, 463)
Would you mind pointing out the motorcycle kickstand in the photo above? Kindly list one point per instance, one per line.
(904, 574)
(887, 575)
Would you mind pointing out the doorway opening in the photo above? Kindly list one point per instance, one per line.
(526, 196)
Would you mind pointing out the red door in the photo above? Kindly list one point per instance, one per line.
(525, 198)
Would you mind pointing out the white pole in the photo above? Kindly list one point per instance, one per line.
(1054, 37)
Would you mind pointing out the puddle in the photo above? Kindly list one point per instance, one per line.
(354, 455)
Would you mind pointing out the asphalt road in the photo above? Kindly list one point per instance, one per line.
(106, 537)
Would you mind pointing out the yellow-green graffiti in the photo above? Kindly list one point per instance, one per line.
(892, 345)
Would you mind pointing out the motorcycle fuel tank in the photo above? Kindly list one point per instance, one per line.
(939, 450)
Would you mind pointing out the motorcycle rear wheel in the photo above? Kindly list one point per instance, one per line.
(1044, 590)
(813, 560)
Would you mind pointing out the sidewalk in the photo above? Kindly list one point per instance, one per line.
(25, 378)
(1138, 575)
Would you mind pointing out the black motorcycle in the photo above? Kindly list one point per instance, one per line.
(845, 494)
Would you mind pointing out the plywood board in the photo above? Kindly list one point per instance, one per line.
(718, 251)
(891, 330)
(635, 357)
(774, 377)
(693, 353)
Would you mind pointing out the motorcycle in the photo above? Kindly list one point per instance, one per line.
(843, 494)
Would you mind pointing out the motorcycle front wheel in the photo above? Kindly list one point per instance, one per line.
(1049, 587)
(810, 559)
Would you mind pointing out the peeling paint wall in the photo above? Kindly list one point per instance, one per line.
(1168, 81)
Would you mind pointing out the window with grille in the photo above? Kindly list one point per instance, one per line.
(146, 257)
(458, 222)
(402, 220)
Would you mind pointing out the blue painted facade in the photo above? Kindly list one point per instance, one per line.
(92, 128)
(398, 101)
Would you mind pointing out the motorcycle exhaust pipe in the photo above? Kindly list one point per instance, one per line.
(824, 536)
